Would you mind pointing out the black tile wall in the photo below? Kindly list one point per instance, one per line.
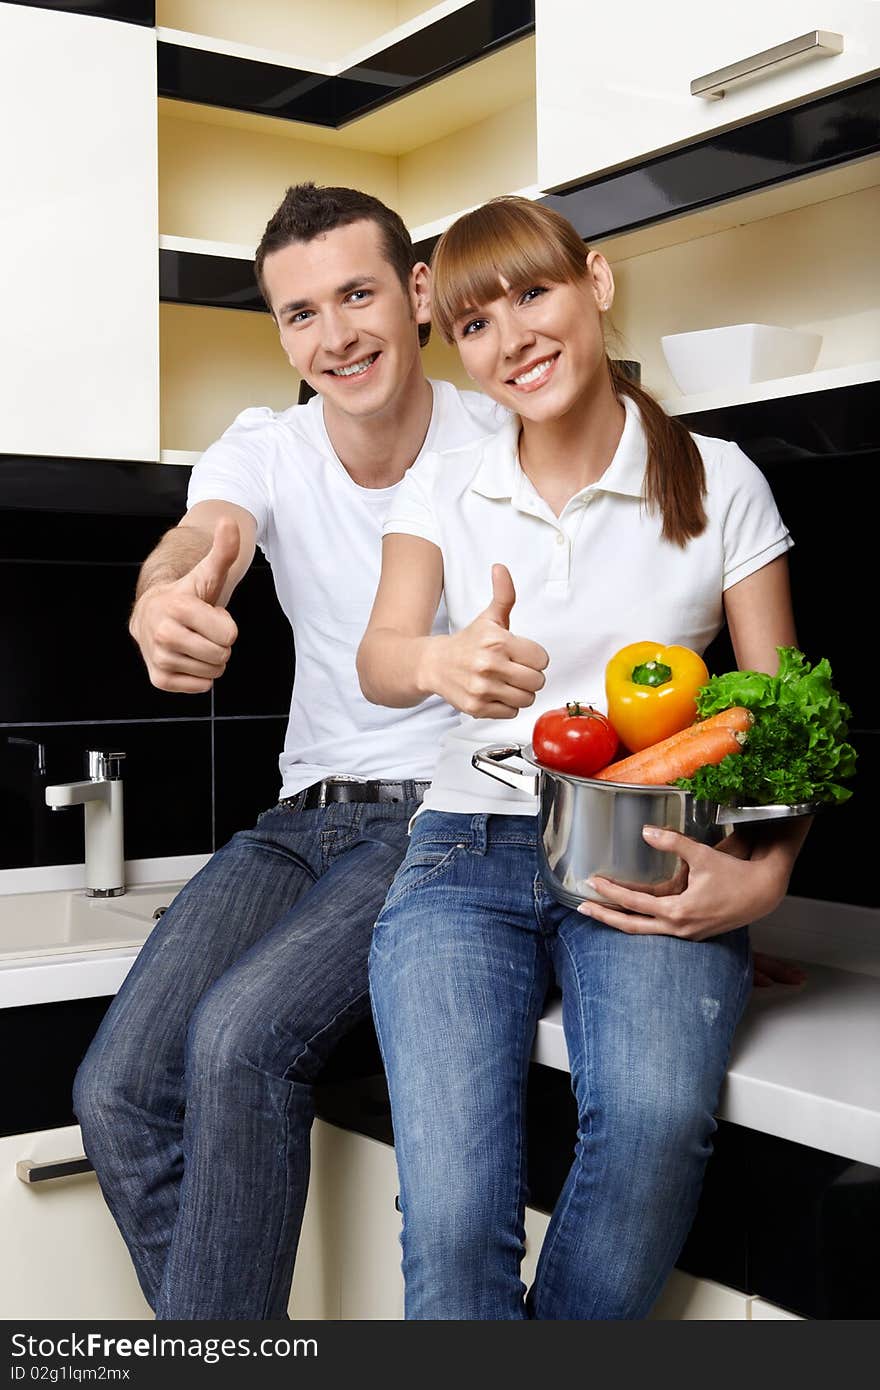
(73, 532)
(259, 675)
(167, 776)
(820, 452)
(72, 536)
(246, 776)
(72, 619)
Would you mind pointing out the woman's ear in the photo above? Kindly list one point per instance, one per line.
(602, 280)
(420, 292)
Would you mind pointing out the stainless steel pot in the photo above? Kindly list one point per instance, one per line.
(587, 827)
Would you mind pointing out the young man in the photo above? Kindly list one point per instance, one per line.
(195, 1098)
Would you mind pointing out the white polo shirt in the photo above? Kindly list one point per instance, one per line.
(587, 582)
(322, 534)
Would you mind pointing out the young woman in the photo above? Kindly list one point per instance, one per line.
(597, 521)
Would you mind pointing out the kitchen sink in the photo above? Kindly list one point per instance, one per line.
(65, 922)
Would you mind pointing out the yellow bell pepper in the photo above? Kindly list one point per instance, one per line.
(651, 692)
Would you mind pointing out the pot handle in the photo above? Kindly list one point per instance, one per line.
(491, 760)
(741, 815)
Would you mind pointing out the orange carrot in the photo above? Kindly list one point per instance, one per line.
(676, 757)
(737, 718)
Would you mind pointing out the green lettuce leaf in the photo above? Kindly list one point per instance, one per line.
(797, 749)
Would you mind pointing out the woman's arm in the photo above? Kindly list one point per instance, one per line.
(724, 890)
(484, 670)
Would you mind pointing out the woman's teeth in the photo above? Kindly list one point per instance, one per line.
(355, 368)
(538, 370)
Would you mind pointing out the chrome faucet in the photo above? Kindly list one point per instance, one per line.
(101, 797)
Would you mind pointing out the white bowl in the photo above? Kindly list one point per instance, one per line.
(714, 359)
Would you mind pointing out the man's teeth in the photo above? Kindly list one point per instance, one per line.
(356, 367)
(538, 370)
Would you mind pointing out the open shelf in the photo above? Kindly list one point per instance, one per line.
(325, 38)
(447, 147)
(833, 378)
(213, 364)
(812, 268)
(223, 74)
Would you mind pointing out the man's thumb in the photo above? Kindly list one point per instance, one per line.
(503, 596)
(211, 573)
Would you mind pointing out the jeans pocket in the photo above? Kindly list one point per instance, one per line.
(421, 867)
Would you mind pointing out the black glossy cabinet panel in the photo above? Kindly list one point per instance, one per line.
(44, 1045)
(218, 79)
(129, 11)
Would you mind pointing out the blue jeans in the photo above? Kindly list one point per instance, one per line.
(464, 953)
(195, 1098)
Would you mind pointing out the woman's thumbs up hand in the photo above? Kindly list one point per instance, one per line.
(488, 672)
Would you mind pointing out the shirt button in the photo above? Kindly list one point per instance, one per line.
(560, 539)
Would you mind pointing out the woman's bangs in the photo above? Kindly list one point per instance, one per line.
(495, 243)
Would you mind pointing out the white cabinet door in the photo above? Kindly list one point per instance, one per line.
(348, 1264)
(79, 328)
(762, 1311)
(686, 1299)
(614, 85)
(62, 1256)
(683, 1298)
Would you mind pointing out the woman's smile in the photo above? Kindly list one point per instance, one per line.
(534, 374)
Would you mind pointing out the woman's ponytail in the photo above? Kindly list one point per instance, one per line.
(675, 480)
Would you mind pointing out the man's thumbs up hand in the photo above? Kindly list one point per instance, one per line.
(185, 636)
(486, 671)
(210, 575)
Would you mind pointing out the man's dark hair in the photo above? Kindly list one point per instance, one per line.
(308, 211)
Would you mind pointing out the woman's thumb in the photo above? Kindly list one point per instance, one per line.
(503, 596)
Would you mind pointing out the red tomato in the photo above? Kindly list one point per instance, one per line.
(576, 739)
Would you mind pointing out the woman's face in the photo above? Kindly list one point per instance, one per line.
(538, 350)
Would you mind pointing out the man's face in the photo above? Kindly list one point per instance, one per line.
(347, 324)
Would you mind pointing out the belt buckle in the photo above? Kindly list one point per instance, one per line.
(330, 782)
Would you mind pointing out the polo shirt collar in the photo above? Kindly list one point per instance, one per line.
(500, 476)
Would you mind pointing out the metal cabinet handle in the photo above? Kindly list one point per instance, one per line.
(818, 43)
(26, 1170)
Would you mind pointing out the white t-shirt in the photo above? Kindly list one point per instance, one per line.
(322, 534)
(588, 582)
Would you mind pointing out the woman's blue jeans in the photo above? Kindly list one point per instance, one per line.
(464, 953)
(195, 1098)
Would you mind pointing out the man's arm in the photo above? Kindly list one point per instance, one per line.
(179, 619)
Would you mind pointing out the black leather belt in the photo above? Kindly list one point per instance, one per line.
(336, 789)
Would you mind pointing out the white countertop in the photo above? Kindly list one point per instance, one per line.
(806, 1059)
(805, 1063)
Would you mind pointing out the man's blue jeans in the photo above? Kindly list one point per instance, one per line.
(463, 955)
(195, 1098)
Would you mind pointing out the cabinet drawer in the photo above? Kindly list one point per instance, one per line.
(619, 91)
(62, 1254)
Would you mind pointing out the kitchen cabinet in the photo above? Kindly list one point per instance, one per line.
(63, 1257)
(317, 35)
(79, 330)
(761, 1311)
(619, 90)
(755, 261)
(348, 1265)
(429, 154)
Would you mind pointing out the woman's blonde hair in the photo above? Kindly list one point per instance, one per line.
(525, 244)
